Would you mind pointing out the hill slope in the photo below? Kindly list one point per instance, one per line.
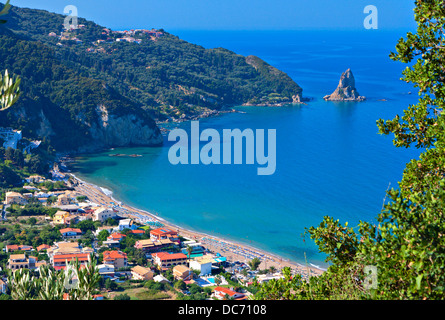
(85, 90)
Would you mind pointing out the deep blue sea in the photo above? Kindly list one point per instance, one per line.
(330, 158)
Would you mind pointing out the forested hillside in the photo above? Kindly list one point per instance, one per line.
(74, 80)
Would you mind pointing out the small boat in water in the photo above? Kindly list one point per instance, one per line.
(125, 155)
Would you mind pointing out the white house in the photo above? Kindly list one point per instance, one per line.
(160, 278)
(71, 233)
(41, 195)
(10, 137)
(125, 224)
(31, 188)
(15, 197)
(106, 269)
(102, 213)
(202, 264)
(262, 278)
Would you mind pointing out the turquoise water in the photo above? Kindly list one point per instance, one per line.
(330, 159)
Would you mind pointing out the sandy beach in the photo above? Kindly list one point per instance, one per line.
(231, 250)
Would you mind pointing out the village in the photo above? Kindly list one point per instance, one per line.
(133, 251)
(106, 36)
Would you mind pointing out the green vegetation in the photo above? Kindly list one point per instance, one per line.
(12, 162)
(123, 296)
(53, 186)
(33, 209)
(22, 232)
(407, 246)
(52, 285)
(64, 81)
(15, 166)
(254, 263)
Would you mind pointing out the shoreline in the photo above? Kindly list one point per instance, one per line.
(233, 250)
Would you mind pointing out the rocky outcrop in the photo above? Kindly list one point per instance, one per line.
(110, 130)
(45, 129)
(346, 90)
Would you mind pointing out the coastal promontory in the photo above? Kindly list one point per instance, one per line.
(90, 87)
(346, 90)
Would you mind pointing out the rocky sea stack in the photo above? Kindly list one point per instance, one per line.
(346, 90)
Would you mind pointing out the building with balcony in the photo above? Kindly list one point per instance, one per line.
(117, 258)
(165, 260)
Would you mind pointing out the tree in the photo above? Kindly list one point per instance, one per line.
(189, 251)
(406, 247)
(194, 288)
(52, 285)
(32, 221)
(103, 235)
(110, 285)
(86, 225)
(122, 296)
(180, 285)
(254, 263)
(218, 280)
(51, 199)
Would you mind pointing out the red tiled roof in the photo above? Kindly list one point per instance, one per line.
(161, 231)
(43, 247)
(111, 255)
(167, 256)
(70, 230)
(116, 236)
(62, 257)
(226, 291)
(15, 247)
(138, 231)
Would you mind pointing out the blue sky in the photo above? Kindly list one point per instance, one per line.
(234, 14)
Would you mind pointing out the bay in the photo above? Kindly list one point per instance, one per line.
(330, 158)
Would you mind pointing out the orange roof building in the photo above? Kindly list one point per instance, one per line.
(138, 231)
(71, 233)
(116, 236)
(117, 258)
(148, 245)
(17, 247)
(222, 292)
(59, 261)
(43, 247)
(68, 230)
(163, 233)
(166, 260)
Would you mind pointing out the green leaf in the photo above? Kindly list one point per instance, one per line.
(418, 281)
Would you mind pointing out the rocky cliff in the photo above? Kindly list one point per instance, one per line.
(110, 130)
(346, 90)
(79, 134)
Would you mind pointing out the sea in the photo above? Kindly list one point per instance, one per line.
(330, 159)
